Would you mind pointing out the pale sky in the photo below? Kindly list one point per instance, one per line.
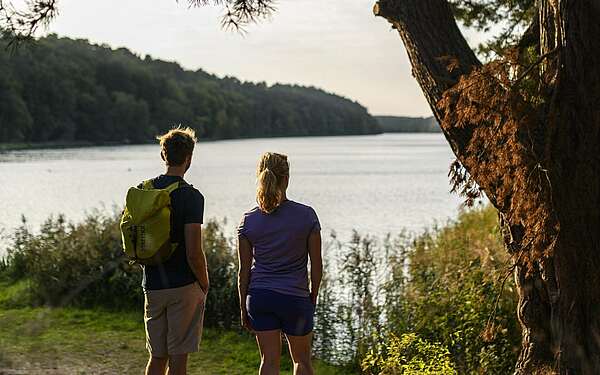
(336, 45)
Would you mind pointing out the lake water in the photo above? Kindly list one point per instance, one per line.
(374, 184)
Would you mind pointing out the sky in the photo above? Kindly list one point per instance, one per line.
(336, 45)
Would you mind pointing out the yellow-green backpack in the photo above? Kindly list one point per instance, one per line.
(146, 223)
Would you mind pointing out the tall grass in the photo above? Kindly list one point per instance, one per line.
(83, 265)
(442, 302)
(431, 302)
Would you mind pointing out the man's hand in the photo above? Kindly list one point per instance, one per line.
(313, 297)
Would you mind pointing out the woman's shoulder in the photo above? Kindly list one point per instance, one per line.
(251, 212)
(300, 206)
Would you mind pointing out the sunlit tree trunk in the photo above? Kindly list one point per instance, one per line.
(539, 164)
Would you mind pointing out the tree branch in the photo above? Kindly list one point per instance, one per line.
(22, 24)
(437, 50)
(240, 13)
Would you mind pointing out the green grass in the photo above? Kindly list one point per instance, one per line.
(84, 341)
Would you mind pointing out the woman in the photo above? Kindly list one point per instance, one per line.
(275, 241)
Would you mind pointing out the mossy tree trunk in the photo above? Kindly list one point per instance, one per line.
(536, 156)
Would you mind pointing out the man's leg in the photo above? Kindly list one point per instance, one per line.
(178, 364)
(185, 316)
(269, 344)
(156, 365)
(155, 322)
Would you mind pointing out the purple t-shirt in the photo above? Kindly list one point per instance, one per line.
(280, 247)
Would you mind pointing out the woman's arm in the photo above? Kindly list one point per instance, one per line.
(245, 262)
(316, 264)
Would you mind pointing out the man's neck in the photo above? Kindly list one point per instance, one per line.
(175, 171)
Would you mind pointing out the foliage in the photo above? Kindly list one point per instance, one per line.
(442, 300)
(480, 14)
(83, 265)
(79, 264)
(501, 110)
(359, 310)
(222, 303)
(408, 355)
(59, 89)
(513, 16)
(21, 23)
(445, 287)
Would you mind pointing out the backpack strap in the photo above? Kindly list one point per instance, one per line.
(176, 185)
(147, 185)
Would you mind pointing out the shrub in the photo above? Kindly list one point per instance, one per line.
(75, 264)
(447, 290)
(83, 264)
(408, 355)
(222, 305)
(442, 286)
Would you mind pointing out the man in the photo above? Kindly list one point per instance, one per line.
(175, 290)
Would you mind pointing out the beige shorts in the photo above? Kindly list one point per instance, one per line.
(173, 320)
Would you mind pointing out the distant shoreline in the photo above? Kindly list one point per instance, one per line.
(5, 147)
(403, 124)
(8, 147)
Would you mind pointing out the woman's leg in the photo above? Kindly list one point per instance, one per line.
(300, 350)
(269, 344)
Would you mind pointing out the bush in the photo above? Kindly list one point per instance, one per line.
(75, 264)
(443, 287)
(222, 305)
(83, 264)
(408, 355)
(446, 288)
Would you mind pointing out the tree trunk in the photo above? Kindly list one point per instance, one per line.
(538, 163)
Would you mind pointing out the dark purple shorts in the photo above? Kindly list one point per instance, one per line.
(268, 310)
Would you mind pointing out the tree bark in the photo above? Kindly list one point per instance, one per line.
(538, 164)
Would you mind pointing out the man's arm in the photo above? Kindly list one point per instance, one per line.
(195, 255)
(316, 264)
(245, 262)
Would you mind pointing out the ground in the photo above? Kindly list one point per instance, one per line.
(69, 341)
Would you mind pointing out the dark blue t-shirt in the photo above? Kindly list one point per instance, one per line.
(187, 207)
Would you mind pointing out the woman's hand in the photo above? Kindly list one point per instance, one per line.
(245, 321)
(316, 265)
(204, 288)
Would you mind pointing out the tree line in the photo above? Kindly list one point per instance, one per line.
(60, 89)
(397, 124)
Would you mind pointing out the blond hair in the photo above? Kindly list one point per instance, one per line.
(271, 173)
(177, 145)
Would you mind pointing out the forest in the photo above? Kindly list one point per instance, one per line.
(62, 90)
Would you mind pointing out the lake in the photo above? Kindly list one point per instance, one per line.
(375, 184)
